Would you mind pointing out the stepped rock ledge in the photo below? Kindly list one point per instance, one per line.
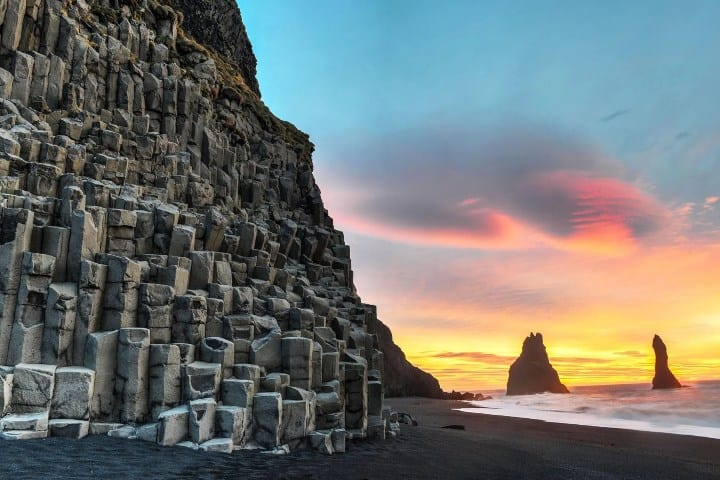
(168, 271)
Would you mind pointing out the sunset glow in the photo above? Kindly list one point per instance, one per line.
(610, 267)
(598, 314)
(560, 180)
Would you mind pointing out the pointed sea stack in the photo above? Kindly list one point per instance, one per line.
(532, 372)
(664, 378)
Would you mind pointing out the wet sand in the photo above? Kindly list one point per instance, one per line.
(490, 447)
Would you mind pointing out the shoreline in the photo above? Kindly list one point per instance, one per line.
(710, 433)
(570, 450)
(684, 411)
(459, 406)
(490, 447)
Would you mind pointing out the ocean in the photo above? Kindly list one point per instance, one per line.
(693, 410)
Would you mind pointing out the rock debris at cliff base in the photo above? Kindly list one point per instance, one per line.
(167, 269)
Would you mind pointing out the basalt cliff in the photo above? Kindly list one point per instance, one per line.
(168, 270)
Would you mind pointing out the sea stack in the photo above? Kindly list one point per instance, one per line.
(532, 371)
(664, 378)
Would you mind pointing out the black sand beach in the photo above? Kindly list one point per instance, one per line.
(489, 448)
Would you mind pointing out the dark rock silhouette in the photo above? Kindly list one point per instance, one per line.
(465, 396)
(532, 372)
(401, 378)
(664, 378)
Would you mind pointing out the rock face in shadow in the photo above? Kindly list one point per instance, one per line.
(664, 378)
(401, 378)
(532, 372)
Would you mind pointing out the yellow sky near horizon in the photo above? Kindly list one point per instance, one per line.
(465, 317)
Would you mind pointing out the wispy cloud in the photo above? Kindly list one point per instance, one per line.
(482, 357)
(631, 353)
(475, 357)
(614, 115)
(504, 190)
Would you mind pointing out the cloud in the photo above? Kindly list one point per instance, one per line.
(505, 190)
(614, 115)
(482, 357)
(631, 353)
(476, 356)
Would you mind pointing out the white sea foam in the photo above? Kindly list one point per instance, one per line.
(688, 411)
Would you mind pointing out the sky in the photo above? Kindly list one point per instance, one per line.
(501, 168)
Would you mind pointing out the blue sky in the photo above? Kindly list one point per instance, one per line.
(514, 163)
(346, 71)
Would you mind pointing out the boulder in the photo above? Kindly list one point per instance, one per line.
(33, 387)
(173, 426)
(202, 420)
(73, 393)
(217, 445)
(201, 380)
(238, 393)
(234, 423)
(69, 428)
(267, 419)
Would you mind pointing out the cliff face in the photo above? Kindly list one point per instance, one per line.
(532, 371)
(663, 378)
(403, 379)
(218, 25)
(166, 261)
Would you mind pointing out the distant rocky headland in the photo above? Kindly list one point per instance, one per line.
(168, 270)
(663, 378)
(532, 371)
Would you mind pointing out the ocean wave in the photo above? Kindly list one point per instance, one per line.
(686, 411)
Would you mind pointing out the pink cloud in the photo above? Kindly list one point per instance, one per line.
(485, 229)
(468, 202)
(493, 191)
(606, 214)
(580, 212)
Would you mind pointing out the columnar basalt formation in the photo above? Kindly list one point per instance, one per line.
(663, 378)
(532, 372)
(167, 269)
